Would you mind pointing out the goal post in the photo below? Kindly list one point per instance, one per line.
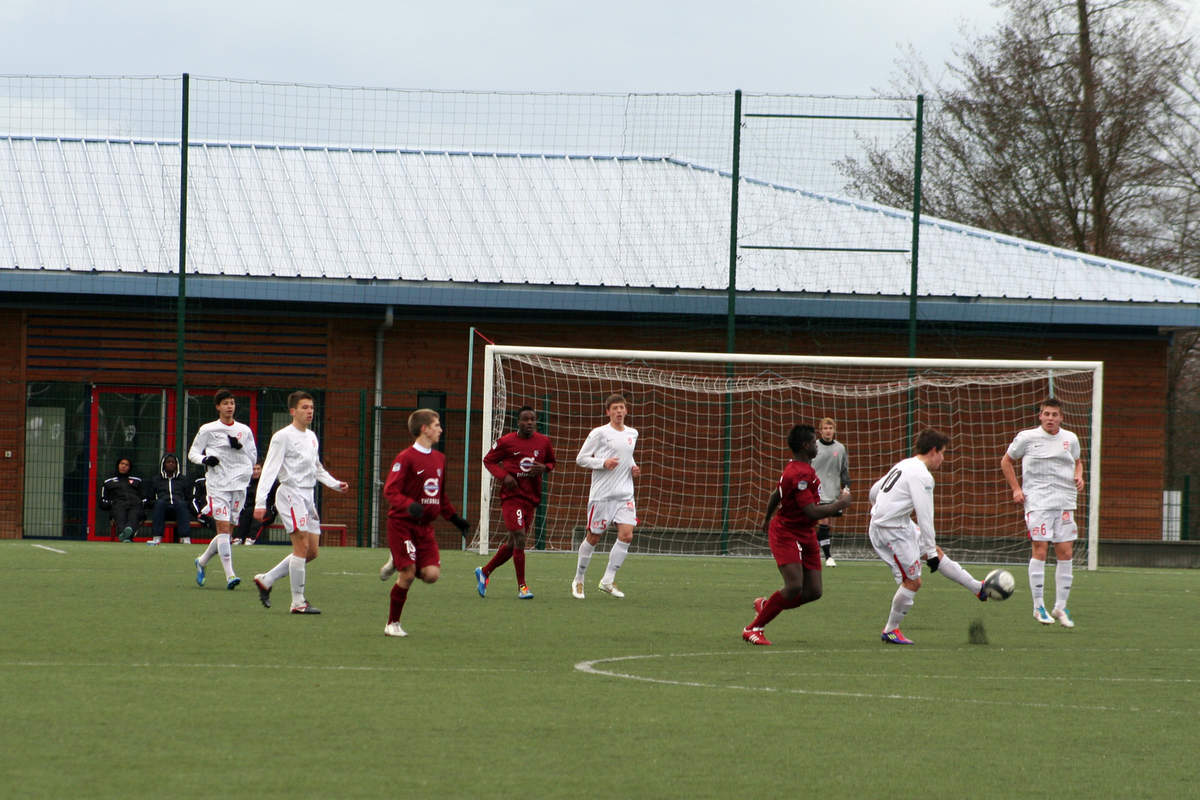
(712, 439)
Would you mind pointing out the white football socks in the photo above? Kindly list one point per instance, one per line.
(954, 571)
(1037, 581)
(278, 571)
(616, 558)
(296, 575)
(226, 553)
(1063, 571)
(902, 601)
(208, 553)
(585, 557)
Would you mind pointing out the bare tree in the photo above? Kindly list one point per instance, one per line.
(1076, 123)
(1051, 128)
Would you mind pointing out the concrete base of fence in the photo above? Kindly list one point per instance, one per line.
(1135, 553)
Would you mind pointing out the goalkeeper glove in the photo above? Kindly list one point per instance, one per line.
(210, 461)
(416, 511)
(933, 562)
(233, 442)
(460, 523)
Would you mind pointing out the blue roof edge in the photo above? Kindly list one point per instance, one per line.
(558, 299)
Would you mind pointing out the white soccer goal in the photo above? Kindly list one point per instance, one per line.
(712, 430)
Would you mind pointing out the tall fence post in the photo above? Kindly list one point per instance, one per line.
(919, 130)
(731, 321)
(364, 477)
(1186, 503)
(181, 299)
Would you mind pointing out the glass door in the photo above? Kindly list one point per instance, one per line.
(126, 422)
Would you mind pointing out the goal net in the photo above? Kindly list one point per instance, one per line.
(712, 432)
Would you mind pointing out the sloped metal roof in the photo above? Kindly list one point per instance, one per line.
(503, 219)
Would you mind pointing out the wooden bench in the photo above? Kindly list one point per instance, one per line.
(143, 533)
(332, 534)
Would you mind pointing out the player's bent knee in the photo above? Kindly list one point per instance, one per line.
(405, 576)
(431, 574)
(792, 592)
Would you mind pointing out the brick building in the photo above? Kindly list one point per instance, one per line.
(359, 274)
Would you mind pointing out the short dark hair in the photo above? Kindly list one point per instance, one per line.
(1052, 402)
(295, 397)
(930, 439)
(523, 409)
(613, 399)
(221, 395)
(420, 418)
(799, 436)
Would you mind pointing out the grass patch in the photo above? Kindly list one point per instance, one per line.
(119, 677)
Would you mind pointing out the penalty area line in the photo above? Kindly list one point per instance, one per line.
(51, 549)
(198, 665)
(591, 668)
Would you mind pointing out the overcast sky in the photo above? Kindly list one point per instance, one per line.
(844, 47)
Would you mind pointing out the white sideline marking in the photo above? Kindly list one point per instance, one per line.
(590, 668)
(51, 549)
(315, 667)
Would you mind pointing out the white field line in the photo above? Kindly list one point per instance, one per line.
(51, 549)
(309, 667)
(590, 667)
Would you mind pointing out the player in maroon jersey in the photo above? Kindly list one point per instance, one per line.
(518, 460)
(415, 491)
(792, 533)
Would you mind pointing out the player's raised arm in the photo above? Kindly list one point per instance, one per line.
(328, 480)
(587, 457)
(815, 511)
(196, 452)
(493, 462)
(873, 493)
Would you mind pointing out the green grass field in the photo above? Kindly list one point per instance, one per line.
(119, 677)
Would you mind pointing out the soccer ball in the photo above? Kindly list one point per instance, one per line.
(999, 584)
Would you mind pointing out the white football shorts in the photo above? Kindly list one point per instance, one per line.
(1052, 525)
(603, 513)
(297, 510)
(899, 549)
(226, 506)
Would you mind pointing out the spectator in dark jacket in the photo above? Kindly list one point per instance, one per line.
(121, 497)
(248, 528)
(169, 494)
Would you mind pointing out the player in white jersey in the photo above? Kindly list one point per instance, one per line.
(226, 449)
(1051, 479)
(608, 453)
(832, 465)
(293, 458)
(904, 492)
